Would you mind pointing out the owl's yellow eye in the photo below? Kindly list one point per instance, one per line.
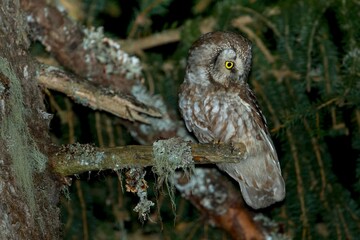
(229, 65)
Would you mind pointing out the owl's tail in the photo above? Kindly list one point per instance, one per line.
(265, 195)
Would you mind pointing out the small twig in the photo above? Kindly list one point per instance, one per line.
(285, 72)
(327, 103)
(317, 150)
(310, 47)
(83, 92)
(241, 23)
(357, 114)
(286, 43)
(157, 39)
(83, 210)
(344, 225)
(263, 18)
(143, 15)
(300, 184)
(162, 38)
(79, 158)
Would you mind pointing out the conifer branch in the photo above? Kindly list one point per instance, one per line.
(162, 38)
(242, 24)
(263, 18)
(300, 184)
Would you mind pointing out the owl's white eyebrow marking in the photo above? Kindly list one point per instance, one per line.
(230, 53)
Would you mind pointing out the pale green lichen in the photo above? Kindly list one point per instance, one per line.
(272, 228)
(108, 52)
(26, 157)
(159, 124)
(2, 88)
(85, 154)
(170, 155)
(202, 187)
(156, 124)
(2, 102)
(135, 182)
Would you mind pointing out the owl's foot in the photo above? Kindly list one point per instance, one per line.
(238, 148)
(217, 143)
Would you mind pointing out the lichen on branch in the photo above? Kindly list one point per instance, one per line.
(118, 103)
(136, 183)
(170, 155)
(78, 158)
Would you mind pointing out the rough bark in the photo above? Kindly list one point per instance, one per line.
(28, 193)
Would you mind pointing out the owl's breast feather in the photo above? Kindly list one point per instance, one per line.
(215, 114)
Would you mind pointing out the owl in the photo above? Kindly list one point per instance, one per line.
(219, 107)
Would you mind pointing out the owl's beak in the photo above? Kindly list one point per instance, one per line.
(240, 78)
(234, 78)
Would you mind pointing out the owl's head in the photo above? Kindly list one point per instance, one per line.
(221, 58)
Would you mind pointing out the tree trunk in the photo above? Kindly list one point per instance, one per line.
(29, 195)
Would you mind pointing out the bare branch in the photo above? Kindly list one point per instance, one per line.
(120, 104)
(162, 38)
(101, 62)
(242, 24)
(157, 39)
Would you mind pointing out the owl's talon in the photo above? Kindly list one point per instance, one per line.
(236, 148)
(216, 142)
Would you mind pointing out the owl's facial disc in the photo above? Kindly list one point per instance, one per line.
(228, 67)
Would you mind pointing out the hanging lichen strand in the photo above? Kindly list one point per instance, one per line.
(18, 140)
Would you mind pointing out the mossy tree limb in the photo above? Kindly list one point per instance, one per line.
(79, 158)
(214, 202)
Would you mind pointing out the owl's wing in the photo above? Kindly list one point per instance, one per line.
(196, 120)
(257, 114)
(259, 174)
(262, 183)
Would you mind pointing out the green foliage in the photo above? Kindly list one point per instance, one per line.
(306, 75)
